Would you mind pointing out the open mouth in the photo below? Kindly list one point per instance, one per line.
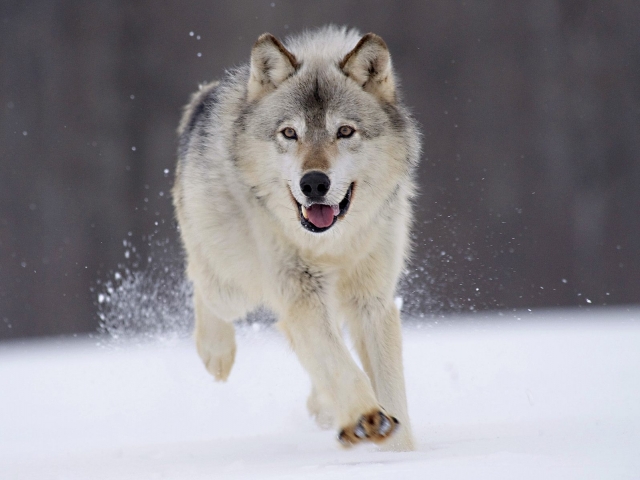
(320, 217)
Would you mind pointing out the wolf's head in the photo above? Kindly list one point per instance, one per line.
(324, 141)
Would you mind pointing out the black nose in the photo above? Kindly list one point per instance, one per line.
(315, 184)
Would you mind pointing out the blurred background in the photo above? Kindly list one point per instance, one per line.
(529, 181)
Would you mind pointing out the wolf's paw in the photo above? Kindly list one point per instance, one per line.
(217, 356)
(320, 410)
(218, 362)
(375, 426)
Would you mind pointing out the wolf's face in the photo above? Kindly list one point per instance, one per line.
(325, 143)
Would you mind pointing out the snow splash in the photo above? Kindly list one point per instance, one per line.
(154, 301)
(150, 298)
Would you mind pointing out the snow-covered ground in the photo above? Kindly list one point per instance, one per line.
(554, 395)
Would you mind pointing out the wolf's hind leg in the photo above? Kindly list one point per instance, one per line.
(215, 340)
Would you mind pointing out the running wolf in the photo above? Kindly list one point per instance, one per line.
(293, 190)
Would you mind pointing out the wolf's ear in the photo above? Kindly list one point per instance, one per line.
(369, 65)
(271, 64)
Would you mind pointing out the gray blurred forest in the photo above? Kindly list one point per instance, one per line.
(529, 182)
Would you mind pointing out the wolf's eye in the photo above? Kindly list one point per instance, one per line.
(289, 133)
(345, 131)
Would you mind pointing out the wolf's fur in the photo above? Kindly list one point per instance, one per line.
(236, 196)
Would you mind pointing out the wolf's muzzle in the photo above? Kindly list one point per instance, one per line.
(319, 217)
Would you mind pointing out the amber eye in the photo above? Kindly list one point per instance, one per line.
(289, 133)
(345, 131)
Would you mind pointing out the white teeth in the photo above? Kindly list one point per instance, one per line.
(336, 210)
(304, 212)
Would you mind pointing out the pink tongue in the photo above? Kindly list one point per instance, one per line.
(320, 215)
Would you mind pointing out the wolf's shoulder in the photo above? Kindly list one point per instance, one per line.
(199, 106)
(210, 103)
(197, 113)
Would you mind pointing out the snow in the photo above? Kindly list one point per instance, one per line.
(555, 395)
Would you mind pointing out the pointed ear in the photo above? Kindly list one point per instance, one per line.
(369, 65)
(271, 64)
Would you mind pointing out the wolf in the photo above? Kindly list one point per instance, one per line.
(293, 190)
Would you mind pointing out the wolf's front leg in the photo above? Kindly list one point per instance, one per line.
(318, 342)
(215, 339)
(377, 335)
